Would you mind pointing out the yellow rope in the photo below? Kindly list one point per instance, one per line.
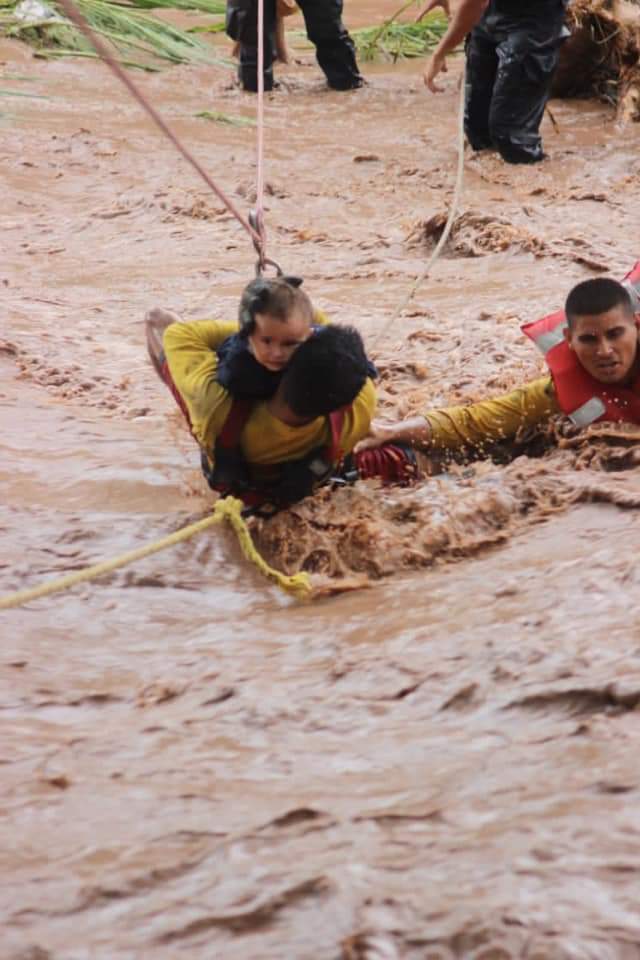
(227, 509)
(297, 584)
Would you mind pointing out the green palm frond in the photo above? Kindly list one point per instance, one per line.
(214, 7)
(235, 120)
(137, 36)
(394, 40)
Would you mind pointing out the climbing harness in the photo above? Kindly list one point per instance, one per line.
(282, 483)
(444, 236)
(229, 509)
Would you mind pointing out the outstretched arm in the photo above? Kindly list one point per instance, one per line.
(415, 432)
(473, 426)
(464, 20)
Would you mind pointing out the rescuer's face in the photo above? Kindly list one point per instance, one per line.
(606, 344)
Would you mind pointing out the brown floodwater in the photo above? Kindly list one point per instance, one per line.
(439, 763)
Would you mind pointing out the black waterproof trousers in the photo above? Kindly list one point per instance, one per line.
(335, 50)
(242, 25)
(511, 58)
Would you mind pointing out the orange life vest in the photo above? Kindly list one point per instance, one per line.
(583, 398)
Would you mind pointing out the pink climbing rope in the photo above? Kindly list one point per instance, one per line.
(103, 51)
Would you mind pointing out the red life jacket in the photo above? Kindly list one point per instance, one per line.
(583, 398)
(231, 473)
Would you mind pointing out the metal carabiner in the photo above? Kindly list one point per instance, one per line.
(256, 222)
(263, 262)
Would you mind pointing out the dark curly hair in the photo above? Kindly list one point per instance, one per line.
(326, 372)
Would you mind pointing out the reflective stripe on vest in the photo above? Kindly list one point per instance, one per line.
(550, 338)
(590, 411)
(633, 289)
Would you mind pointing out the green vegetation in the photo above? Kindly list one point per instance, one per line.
(233, 119)
(394, 40)
(214, 7)
(141, 39)
(138, 37)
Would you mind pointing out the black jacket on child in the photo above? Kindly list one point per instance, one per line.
(240, 373)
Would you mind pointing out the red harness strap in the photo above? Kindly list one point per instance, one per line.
(393, 463)
(336, 422)
(240, 412)
(165, 373)
(233, 426)
(229, 439)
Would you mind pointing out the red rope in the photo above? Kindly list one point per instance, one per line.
(390, 462)
(103, 51)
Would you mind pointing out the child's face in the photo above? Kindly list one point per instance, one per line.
(274, 341)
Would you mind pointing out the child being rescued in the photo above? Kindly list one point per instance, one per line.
(274, 318)
(593, 356)
(252, 403)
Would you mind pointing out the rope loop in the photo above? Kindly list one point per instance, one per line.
(268, 262)
(256, 219)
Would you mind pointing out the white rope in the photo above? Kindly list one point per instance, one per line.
(260, 137)
(450, 219)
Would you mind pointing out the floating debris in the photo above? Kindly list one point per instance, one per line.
(233, 119)
(602, 56)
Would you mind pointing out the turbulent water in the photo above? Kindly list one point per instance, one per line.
(441, 762)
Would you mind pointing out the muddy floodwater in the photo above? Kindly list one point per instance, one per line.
(442, 763)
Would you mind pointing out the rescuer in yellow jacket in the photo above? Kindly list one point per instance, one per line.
(323, 402)
(593, 355)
